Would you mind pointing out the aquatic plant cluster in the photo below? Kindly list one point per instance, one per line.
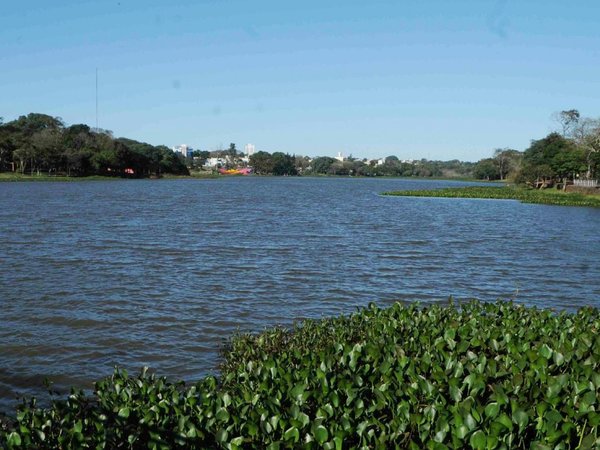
(546, 197)
(475, 375)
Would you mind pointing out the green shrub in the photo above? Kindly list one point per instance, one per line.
(482, 376)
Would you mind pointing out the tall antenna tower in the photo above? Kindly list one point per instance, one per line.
(96, 99)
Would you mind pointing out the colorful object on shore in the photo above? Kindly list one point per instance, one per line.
(243, 171)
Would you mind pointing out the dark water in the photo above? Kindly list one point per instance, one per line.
(158, 273)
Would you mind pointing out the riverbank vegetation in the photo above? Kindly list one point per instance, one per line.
(524, 195)
(476, 375)
(38, 144)
(41, 145)
(14, 176)
(573, 153)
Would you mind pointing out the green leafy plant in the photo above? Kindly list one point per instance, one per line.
(546, 197)
(474, 375)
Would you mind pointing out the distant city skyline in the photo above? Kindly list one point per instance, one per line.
(437, 80)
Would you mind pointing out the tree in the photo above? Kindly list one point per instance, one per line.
(507, 160)
(41, 142)
(587, 136)
(23, 155)
(105, 162)
(302, 163)
(48, 146)
(486, 169)
(568, 120)
(569, 163)
(542, 151)
(78, 161)
(78, 149)
(391, 166)
(172, 162)
(34, 122)
(283, 164)
(7, 147)
(322, 164)
(548, 158)
(232, 152)
(356, 167)
(262, 163)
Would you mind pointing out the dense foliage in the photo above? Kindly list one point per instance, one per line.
(38, 143)
(265, 163)
(390, 166)
(557, 158)
(277, 163)
(481, 376)
(505, 162)
(550, 197)
(550, 158)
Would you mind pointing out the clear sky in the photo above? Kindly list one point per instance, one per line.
(432, 79)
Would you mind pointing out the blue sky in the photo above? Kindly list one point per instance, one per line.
(430, 79)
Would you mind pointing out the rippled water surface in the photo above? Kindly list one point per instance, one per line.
(158, 273)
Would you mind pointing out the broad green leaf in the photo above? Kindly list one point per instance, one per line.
(546, 351)
(321, 434)
(293, 434)
(14, 439)
(492, 410)
(521, 418)
(478, 440)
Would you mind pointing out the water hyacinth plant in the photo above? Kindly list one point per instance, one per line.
(545, 197)
(476, 375)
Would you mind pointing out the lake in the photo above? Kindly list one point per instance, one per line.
(161, 272)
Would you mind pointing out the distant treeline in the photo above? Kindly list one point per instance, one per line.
(572, 153)
(284, 164)
(39, 143)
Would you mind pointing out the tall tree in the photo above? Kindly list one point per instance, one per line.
(568, 120)
(587, 137)
(232, 152)
(508, 160)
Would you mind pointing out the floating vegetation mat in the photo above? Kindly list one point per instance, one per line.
(546, 197)
(476, 375)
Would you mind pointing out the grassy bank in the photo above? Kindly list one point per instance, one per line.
(546, 197)
(12, 176)
(481, 376)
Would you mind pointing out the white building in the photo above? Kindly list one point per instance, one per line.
(215, 162)
(340, 157)
(249, 150)
(376, 162)
(183, 149)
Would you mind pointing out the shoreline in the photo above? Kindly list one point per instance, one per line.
(8, 177)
